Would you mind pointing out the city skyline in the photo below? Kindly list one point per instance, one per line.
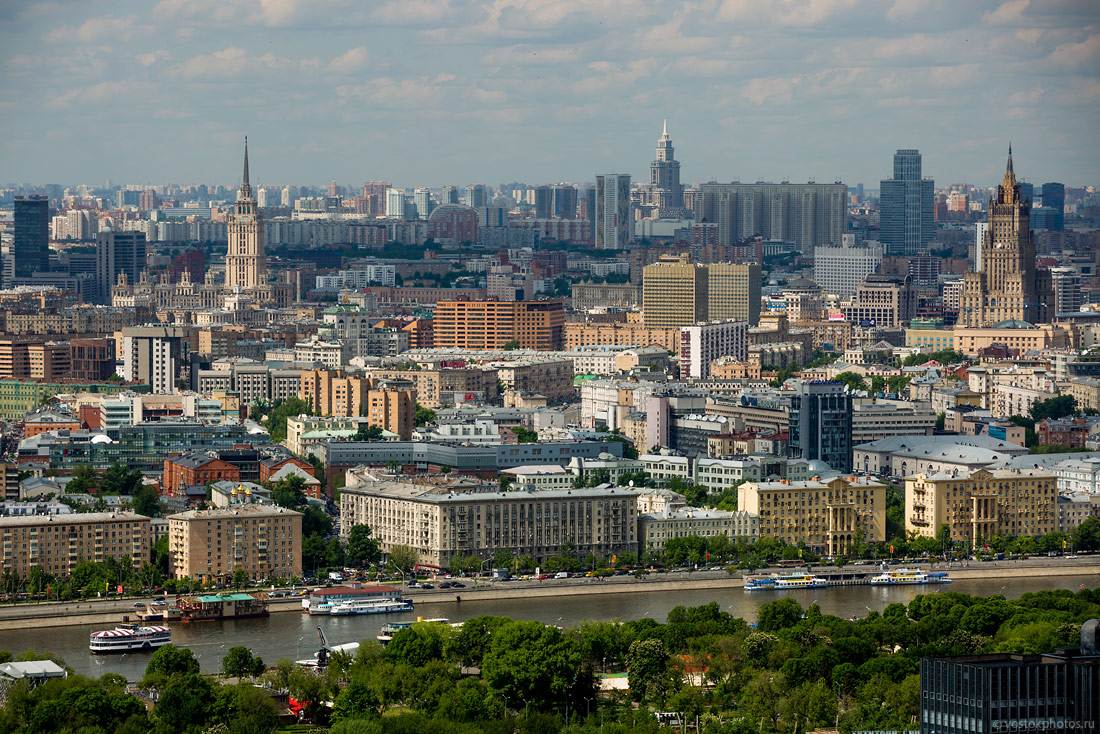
(432, 93)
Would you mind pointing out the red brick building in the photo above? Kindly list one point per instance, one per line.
(195, 469)
(1070, 432)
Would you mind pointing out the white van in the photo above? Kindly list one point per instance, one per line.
(562, 575)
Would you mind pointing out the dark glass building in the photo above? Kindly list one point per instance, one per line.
(906, 215)
(1013, 694)
(32, 235)
(820, 424)
(1054, 197)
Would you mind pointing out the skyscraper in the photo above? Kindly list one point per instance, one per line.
(565, 201)
(1054, 198)
(614, 212)
(664, 175)
(477, 196)
(117, 252)
(1007, 286)
(449, 196)
(677, 292)
(395, 203)
(245, 264)
(906, 207)
(544, 202)
(820, 424)
(32, 235)
(590, 212)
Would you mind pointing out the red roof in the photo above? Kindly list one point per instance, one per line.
(351, 590)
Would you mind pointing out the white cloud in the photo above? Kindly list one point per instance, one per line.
(350, 61)
(1008, 13)
(97, 29)
(152, 57)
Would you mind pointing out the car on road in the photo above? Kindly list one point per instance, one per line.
(542, 576)
(427, 586)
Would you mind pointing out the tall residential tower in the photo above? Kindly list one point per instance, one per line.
(245, 264)
(664, 175)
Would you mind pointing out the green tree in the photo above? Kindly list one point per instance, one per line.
(289, 492)
(1086, 536)
(240, 578)
(245, 709)
(357, 701)
(146, 501)
(185, 703)
(170, 661)
(424, 415)
(314, 552)
(503, 558)
(315, 521)
(779, 615)
(404, 558)
(84, 477)
(531, 661)
(852, 380)
(1053, 408)
(119, 479)
(368, 433)
(280, 411)
(647, 664)
(362, 548)
(525, 435)
(240, 663)
(511, 345)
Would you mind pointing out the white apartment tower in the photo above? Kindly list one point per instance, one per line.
(614, 212)
(701, 344)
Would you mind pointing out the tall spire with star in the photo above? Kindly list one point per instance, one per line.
(245, 262)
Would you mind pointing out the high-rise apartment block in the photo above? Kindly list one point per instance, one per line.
(31, 244)
(839, 270)
(884, 302)
(118, 252)
(614, 212)
(808, 215)
(477, 196)
(905, 207)
(1066, 284)
(820, 424)
(701, 344)
(245, 263)
(422, 196)
(678, 292)
(1007, 286)
(493, 324)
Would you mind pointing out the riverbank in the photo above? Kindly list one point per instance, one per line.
(86, 613)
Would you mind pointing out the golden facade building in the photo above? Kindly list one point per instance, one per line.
(733, 292)
(982, 504)
(674, 292)
(825, 514)
(245, 263)
(1019, 335)
(58, 543)
(492, 324)
(264, 540)
(391, 405)
(1007, 286)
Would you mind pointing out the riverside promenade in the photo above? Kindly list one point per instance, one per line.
(53, 614)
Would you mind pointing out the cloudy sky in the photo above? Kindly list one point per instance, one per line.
(431, 92)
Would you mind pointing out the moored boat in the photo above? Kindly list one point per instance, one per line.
(905, 576)
(789, 581)
(129, 637)
(389, 629)
(370, 606)
(222, 606)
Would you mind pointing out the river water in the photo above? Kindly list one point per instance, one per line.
(294, 635)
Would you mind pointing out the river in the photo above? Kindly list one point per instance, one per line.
(294, 635)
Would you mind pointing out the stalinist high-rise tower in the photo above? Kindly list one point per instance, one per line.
(245, 264)
(1007, 286)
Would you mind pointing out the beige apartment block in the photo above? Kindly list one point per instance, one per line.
(674, 292)
(264, 540)
(442, 522)
(825, 514)
(58, 543)
(982, 504)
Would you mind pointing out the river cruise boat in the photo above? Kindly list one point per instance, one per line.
(775, 582)
(370, 606)
(389, 629)
(129, 638)
(222, 606)
(322, 601)
(905, 576)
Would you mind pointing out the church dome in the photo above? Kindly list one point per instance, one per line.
(1013, 324)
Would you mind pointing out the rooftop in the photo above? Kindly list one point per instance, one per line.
(234, 511)
(83, 518)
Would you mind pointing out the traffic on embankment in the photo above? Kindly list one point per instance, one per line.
(54, 614)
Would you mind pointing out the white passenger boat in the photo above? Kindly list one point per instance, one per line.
(129, 637)
(904, 576)
(775, 582)
(370, 606)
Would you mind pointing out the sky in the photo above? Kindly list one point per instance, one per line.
(434, 92)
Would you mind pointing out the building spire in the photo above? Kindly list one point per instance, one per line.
(1009, 169)
(664, 132)
(246, 187)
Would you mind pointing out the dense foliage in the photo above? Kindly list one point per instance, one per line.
(795, 670)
